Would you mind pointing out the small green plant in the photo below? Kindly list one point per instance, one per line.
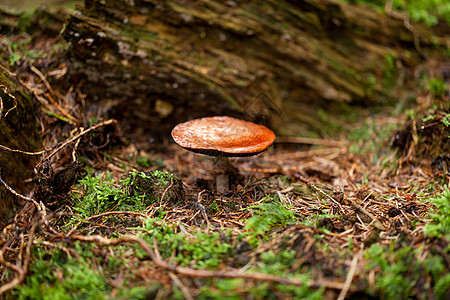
(428, 118)
(440, 225)
(437, 87)
(279, 263)
(19, 52)
(446, 120)
(144, 162)
(329, 124)
(213, 207)
(411, 114)
(25, 21)
(267, 216)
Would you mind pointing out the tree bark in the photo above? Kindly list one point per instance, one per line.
(18, 131)
(292, 64)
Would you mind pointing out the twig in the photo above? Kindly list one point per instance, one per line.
(39, 206)
(165, 191)
(53, 245)
(181, 286)
(5, 90)
(17, 194)
(52, 93)
(205, 216)
(70, 119)
(50, 109)
(388, 7)
(318, 190)
(375, 222)
(350, 275)
(83, 132)
(1, 106)
(74, 151)
(11, 74)
(20, 151)
(21, 271)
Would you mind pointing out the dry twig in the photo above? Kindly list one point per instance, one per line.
(350, 275)
(20, 270)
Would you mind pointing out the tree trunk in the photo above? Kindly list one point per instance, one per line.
(18, 131)
(292, 64)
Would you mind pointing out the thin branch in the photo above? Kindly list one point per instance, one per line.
(350, 275)
(83, 132)
(21, 271)
(17, 194)
(187, 295)
(20, 151)
(165, 191)
(39, 206)
(5, 90)
(67, 142)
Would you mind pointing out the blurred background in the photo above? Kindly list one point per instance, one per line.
(32, 4)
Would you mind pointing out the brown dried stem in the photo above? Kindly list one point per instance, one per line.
(20, 270)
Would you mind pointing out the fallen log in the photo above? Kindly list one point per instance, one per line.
(294, 64)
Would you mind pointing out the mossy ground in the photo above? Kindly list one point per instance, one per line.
(294, 220)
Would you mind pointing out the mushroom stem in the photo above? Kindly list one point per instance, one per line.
(222, 183)
(223, 168)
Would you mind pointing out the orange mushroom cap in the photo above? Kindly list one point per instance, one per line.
(224, 136)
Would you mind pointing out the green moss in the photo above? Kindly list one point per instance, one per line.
(268, 215)
(134, 192)
(21, 53)
(440, 225)
(198, 249)
(425, 11)
(437, 87)
(403, 269)
(54, 275)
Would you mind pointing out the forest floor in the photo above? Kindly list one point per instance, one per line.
(364, 214)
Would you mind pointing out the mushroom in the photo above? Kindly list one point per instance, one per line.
(223, 137)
